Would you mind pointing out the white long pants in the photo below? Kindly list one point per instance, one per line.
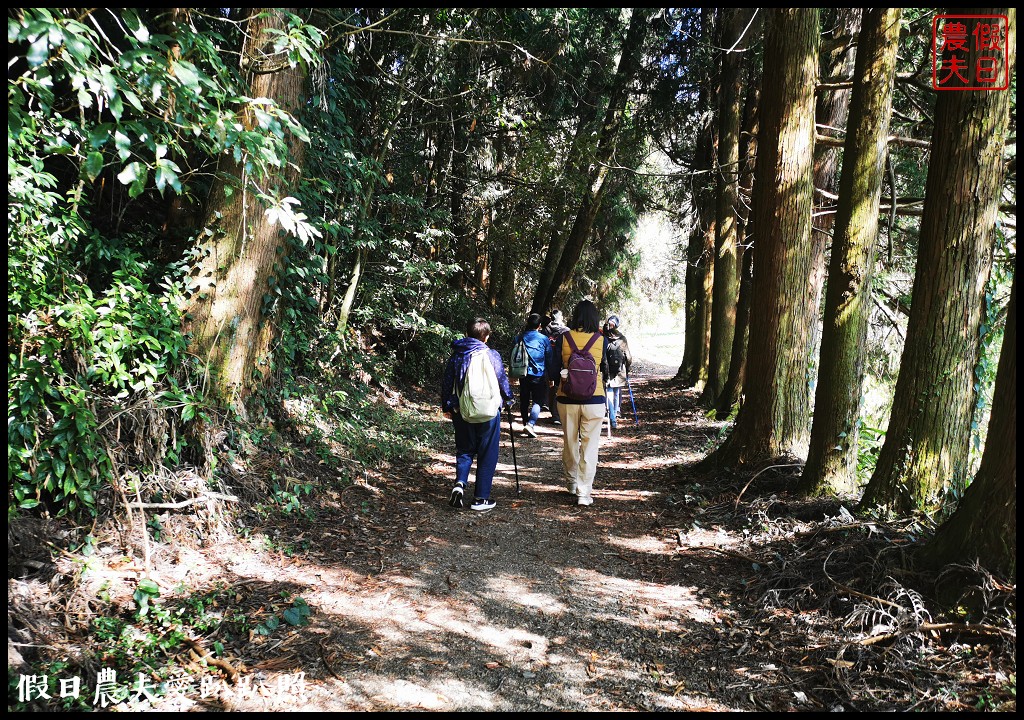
(581, 425)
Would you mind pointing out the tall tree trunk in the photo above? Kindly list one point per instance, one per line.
(629, 63)
(837, 60)
(231, 335)
(693, 370)
(369, 192)
(832, 456)
(738, 363)
(773, 420)
(732, 392)
(461, 227)
(725, 291)
(926, 444)
(701, 254)
(984, 526)
(541, 298)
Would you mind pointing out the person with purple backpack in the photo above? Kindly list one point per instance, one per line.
(579, 360)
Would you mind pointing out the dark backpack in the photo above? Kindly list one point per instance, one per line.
(519, 362)
(582, 381)
(615, 358)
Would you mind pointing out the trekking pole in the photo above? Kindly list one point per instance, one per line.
(629, 387)
(512, 437)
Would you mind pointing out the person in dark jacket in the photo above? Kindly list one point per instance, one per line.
(554, 329)
(480, 440)
(533, 387)
(618, 361)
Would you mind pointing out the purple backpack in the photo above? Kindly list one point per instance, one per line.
(582, 381)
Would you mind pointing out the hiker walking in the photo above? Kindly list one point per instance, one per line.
(473, 389)
(554, 328)
(618, 361)
(533, 379)
(579, 360)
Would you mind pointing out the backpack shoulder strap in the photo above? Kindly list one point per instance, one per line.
(591, 341)
(572, 343)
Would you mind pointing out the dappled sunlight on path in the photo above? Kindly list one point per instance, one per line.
(537, 605)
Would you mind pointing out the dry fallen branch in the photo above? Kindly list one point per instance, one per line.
(851, 591)
(205, 497)
(737, 503)
(202, 654)
(974, 628)
(732, 553)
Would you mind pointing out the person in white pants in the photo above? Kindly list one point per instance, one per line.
(581, 414)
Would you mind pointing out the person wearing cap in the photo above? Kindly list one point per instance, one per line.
(554, 328)
(619, 360)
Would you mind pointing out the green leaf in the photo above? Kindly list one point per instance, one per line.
(185, 72)
(134, 100)
(116, 106)
(39, 52)
(130, 173)
(123, 145)
(140, 31)
(294, 616)
(149, 587)
(166, 175)
(93, 165)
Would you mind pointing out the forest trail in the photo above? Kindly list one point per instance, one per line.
(536, 605)
(668, 593)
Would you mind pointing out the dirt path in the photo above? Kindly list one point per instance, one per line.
(536, 605)
(667, 594)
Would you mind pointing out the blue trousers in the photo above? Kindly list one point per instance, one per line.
(480, 441)
(614, 400)
(533, 392)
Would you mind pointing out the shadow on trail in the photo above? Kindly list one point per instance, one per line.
(657, 597)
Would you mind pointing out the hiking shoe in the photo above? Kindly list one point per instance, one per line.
(456, 497)
(557, 421)
(530, 431)
(482, 505)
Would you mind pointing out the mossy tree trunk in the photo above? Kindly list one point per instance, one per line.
(700, 278)
(228, 321)
(574, 155)
(738, 363)
(693, 370)
(836, 61)
(984, 526)
(832, 456)
(727, 277)
(773, 420)
(925, 453)
(732, 392)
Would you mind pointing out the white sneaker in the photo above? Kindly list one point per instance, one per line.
(481, 505)
(530, 431)
(584, 500)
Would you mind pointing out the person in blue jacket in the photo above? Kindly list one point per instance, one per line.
(533, 387)
(479, 440)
